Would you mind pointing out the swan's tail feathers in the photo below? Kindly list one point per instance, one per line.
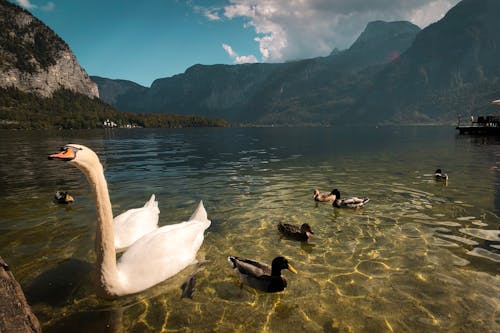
(151, 202)
(200, 214)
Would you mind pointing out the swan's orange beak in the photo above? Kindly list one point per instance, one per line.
(67, 154)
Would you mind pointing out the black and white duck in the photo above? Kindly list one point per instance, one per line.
(440, 175)
(352, 202)
(63, 198)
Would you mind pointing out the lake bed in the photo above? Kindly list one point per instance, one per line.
(421, 256)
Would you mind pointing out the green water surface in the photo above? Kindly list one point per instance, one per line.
(422, 256)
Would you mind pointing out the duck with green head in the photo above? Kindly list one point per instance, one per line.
(261, 276)
(440, 175)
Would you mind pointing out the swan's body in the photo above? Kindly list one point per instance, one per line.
(262, 276)
(299, 232)
(323, 196)
(131, 225)
(352, 202)
(150, 260)
(440, 175)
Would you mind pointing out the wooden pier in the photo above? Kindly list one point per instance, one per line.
(488, 125)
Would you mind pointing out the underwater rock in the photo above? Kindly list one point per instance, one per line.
(15, 313)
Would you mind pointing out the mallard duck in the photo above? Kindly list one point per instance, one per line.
(353, 202)
(323, 196)
(154, 257)
(440, 175)
(300, 232)
(262, 276)
(63, 197)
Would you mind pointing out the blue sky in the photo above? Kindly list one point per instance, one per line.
(145, 40)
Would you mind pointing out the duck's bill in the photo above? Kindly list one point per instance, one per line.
(66, 154)
(69, 198)
(291, 269)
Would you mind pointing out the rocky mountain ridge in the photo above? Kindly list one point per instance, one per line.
(298, 92)
(34, 59)
(393, 73)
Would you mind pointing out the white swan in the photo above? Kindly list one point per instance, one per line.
(135, 223)
(151, 259)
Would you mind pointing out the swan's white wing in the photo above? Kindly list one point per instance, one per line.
(135, 223)
(151, 202)
(200, 214)
(161, 254)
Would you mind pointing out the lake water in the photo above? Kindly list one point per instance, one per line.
(421, 256)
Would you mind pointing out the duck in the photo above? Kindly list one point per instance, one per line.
(151, 259)
(323, 196)
(299, 232)
(261, 276)
(439, 175)
(353, 202)
(63, 198)
(134, 223)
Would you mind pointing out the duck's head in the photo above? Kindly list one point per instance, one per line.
(79, 155)
(280, 263)
(63, 197)
(336, 193)
(440, 175)
(306, 228)
(315, 193)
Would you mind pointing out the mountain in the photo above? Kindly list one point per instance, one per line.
(42, 86)
(307, 91)
(380, 43)
(393, 73)
(451, 69)
(111, 90)
(34, 59)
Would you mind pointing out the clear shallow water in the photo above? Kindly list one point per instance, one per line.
(420, 257)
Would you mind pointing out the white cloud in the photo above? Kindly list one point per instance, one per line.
(237, 58)
(248, 59)
(28, 5)
(429, 13)
(297, 29)
(210, 13)
(229, 50)
(49, 6)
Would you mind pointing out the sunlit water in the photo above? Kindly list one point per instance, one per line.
(422, 256)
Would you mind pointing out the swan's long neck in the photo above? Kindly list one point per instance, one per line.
(104, 242)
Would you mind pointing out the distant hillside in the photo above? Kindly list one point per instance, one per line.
(393, 73)
(451, 69)
(380, 43)
(70, 110)
(42, 86)
(34, 59)
(111, 90)
(313, 91)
